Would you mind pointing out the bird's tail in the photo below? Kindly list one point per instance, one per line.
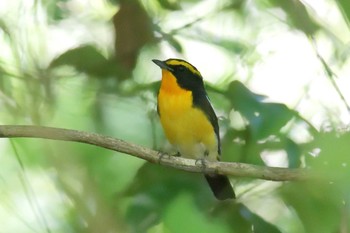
(221, 186)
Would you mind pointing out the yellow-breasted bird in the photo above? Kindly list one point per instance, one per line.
(188, 119)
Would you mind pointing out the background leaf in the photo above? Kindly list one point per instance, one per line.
(87, 65)
(86, 59)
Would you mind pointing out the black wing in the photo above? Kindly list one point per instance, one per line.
(201, 101)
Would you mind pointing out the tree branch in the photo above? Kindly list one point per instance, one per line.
(231, 169)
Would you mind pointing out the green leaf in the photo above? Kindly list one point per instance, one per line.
(243, 99)
(297, 15)
(344, 6)
(174, 43)
(54, 9)
(258, 223)
(264, 119)
(154, 187)
(4, 27)
(317, 203)
(233, 45)
(333, 159)
(294, 152)
(86, 59)
(169, 5)
(183, 215)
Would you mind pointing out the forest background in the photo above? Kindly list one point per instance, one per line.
(277, 73)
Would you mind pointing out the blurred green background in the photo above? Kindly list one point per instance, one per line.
(277, 72)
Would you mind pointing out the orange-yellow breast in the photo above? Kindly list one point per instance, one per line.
(186, 127)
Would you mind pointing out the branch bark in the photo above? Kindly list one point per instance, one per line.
(225, 168)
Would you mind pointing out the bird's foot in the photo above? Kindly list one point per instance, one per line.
(202, 163)
(163, 156)
(177, 154)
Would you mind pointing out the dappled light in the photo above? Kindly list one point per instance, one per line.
(276, 72)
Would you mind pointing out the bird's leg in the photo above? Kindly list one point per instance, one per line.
(163, 155)
(202, 161)
(177, 154)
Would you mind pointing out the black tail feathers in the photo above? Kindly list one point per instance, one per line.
(221, 186)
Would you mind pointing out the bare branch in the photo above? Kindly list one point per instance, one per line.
(231, 169)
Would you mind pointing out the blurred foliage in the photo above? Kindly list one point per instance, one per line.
(297, 15)
(94, 63)
(345, 7)
(51, 75)
(133, 29)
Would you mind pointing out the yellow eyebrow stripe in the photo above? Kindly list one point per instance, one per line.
(176, 62)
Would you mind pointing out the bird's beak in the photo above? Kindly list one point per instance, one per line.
(162, 65)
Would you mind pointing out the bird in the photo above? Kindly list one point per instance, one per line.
(188, 119)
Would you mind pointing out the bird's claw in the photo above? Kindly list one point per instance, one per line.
(163, 155)
(202, 163)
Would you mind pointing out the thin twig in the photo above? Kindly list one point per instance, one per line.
(231, 169)
(330, 74)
